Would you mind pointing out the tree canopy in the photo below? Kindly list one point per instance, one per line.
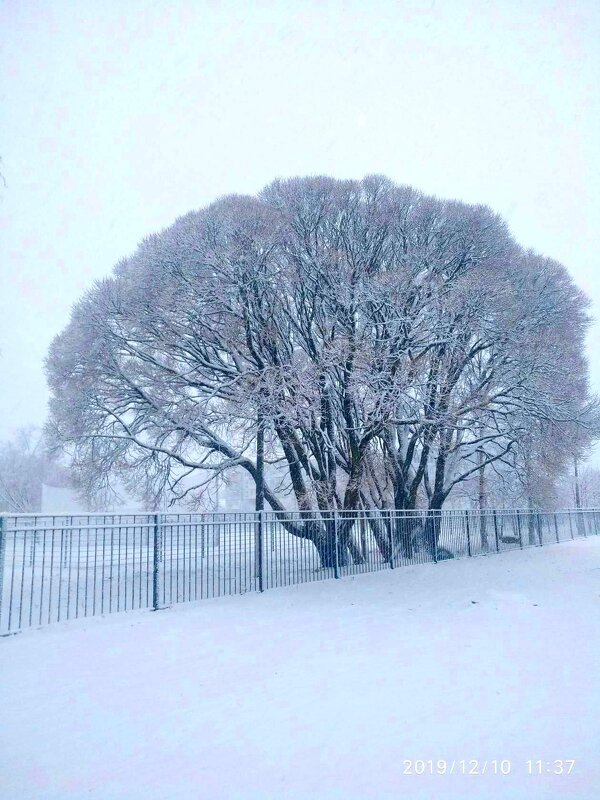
(392, 344)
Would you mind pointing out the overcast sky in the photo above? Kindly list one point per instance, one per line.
(117, 117)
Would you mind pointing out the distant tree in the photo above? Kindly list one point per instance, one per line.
(589, 485)
(21, 473)
(25, 466)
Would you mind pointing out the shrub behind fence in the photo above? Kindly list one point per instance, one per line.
(54, 568)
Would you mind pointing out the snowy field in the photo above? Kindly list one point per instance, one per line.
(323, 690)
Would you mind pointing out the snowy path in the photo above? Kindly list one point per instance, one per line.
(321, 690)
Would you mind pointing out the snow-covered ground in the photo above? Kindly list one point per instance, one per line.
(324, 690)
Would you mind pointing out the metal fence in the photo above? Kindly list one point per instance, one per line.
(55, 568)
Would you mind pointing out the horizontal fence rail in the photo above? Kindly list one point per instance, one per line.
(55, 568)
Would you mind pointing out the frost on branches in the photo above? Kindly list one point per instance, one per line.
(394, 346)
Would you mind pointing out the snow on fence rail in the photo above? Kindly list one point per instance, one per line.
(54, 568)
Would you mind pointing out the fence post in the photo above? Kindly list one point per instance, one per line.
(539, 528)
(156, 563)
(496, 530)
(259, 499)
(2, 553)
(336, 566)
(556, 528)
(434, 534)
(258, 556)
(391, 540)
(468, 528)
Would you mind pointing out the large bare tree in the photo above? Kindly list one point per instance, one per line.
(393, 344)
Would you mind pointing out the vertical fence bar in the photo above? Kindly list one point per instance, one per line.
(571, 525)
(391, 538)
(519, 530)
(51, 570)
(87, 568)
(61, 563)
(119, 563)
(141, 556)
(12, 575)
(110, 565)
(69, 562)
(336, 565)
(195, 559)
(556, 528)
(22, 580)
(467, 528)
(434, 535)
(258, 554)
(2, 555)
(156, 564)
(32, 572)
(42, 581)
(496, 531)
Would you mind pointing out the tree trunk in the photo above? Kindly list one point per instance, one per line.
(380, 534)
(324, 539)
(346, 525)
(433, 523)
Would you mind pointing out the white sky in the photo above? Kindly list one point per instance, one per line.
(116, 117)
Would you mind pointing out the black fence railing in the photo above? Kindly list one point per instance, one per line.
(55, 568)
